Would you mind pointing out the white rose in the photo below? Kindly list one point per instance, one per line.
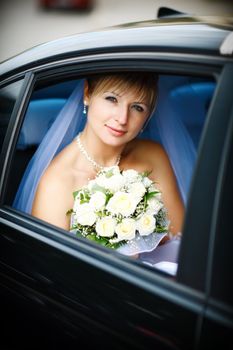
(146, 224)
(77, 201)
(122, 203)
(76, 204)
(126, 229)
(97, 200)
(91, 184)
(101, 180)
(147, 182)
(114, 169)
(154, 205)
(130, 175)
(137, 189)
(115, 182)
(85, 215)
(105, 227)
(104, 178)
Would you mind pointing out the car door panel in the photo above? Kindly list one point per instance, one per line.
(83, 299)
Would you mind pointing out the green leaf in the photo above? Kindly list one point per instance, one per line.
(91, 237)
(151, 194)
(160, 229)
(108, 196)
(69, 212)
(103, 241)
(109, 173)
(97, 187)
(76, 193)
(146, 173)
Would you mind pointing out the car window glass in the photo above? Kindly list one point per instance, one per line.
(8, 97)
(182, 98)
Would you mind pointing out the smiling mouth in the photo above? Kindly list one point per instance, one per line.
(116, 131)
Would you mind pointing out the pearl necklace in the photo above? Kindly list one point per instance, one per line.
(97, 166)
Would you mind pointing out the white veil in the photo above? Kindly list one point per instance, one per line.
(174, 137)
(164, 123)
(65, 127)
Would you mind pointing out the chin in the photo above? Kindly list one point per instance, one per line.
(114, 143)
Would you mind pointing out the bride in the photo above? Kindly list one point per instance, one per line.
(117, 107)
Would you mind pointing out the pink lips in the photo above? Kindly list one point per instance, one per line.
(115, 132)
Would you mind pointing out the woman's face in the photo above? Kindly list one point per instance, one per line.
(116, 117)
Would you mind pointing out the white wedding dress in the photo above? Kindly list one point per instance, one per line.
(165, 256)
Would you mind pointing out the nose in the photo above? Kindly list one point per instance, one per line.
(123, 115)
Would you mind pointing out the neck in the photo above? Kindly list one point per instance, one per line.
(101, 153)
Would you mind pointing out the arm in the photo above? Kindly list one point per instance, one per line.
(51, 202)
(164, 175)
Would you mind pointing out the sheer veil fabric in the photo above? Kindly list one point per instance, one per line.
(70, 121)
(175, 139)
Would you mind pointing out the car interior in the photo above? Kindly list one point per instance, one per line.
(184, 97)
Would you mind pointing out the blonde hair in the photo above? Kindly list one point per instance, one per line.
(142, 84)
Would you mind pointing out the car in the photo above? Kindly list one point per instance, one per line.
(58, 290)
(66, 4)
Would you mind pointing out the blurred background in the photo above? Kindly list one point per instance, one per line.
(26, 23)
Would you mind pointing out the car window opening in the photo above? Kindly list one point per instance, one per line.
(182, 99)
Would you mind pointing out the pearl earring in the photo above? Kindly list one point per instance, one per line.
(85, 108)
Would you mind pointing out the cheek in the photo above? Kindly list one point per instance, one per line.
(98, 109)
(137, 123)
(94, 112)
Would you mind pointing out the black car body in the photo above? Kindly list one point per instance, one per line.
(56, 290)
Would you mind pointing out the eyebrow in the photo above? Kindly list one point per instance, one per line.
(115, 93)
(142, 103)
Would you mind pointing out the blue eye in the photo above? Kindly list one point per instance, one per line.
(138, 108)
(111, 98)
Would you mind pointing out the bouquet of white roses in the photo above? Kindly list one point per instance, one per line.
(120, 208)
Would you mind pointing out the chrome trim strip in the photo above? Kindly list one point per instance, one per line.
(226, 47)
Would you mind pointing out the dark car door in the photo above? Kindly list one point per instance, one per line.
(217, 328)
(64, 291)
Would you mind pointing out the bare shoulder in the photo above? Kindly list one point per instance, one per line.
(54, 175)
(52, 180)
(53, 186)
(53, 197)
(153, 157)
(149, 150)
(150, 145)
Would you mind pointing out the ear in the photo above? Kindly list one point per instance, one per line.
(86, 95)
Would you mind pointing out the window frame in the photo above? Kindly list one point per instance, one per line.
(212, 142)
(10, 141)
(2, 87)
(218, 322)
(188, 64)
